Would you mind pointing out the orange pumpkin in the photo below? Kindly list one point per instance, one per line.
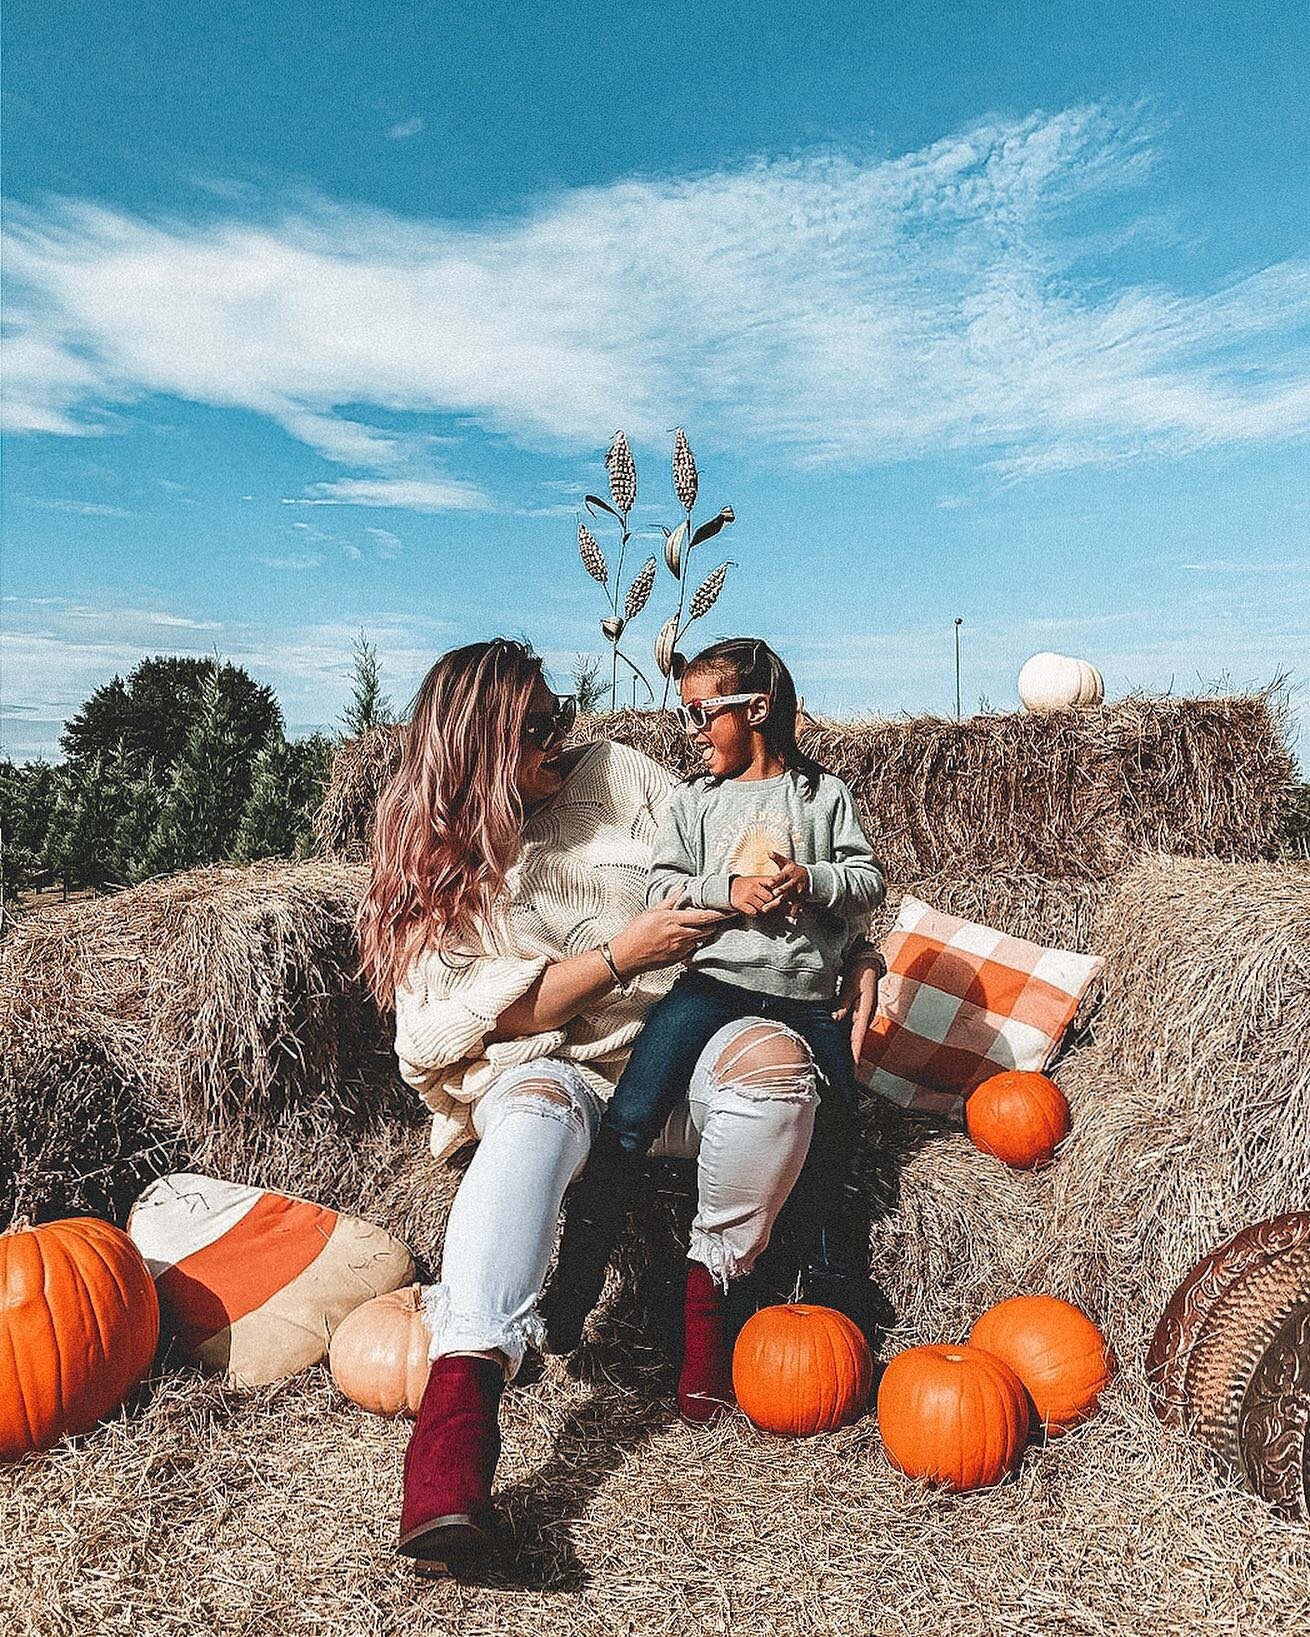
(1054, 1349)
(379, 1354)
(79, 1323)
(801, 1369)
(1018, 1116)
(952, 1414)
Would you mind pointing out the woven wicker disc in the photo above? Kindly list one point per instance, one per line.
(1230, 1359)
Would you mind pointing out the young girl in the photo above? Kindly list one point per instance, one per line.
(763, 832)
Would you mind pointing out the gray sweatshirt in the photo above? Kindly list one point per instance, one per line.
(711, 832)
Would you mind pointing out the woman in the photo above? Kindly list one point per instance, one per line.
(505, 915)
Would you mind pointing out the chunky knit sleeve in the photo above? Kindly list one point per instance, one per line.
(444, 1013)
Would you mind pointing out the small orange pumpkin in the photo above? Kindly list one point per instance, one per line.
(79, 1323)
(1054, 1349)
(1018, 1116)
(952, 1414)
(801, 1369)
(379, 1354)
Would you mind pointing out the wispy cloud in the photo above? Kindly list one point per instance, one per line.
(405, 129)
(1233, 565)
(409, 494)
(81, 508)
(300, 560)
(825, 309)
(387, 545)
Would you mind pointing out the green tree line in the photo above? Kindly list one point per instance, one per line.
(184, 762)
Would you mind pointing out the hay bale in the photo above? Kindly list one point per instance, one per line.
(1076, 794)
(213, 1016)
(1191, 1104)
(360, 768)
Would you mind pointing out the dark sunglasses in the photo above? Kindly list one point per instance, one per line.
(546, 729)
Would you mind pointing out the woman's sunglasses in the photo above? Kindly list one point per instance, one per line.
(695, 714)
(546, 729)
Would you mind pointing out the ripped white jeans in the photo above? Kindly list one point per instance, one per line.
(746, 1120)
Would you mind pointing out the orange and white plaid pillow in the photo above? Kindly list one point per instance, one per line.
(961, 1002)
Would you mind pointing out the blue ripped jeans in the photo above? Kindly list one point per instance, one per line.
(661, 1064)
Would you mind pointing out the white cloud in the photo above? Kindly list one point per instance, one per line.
(302, 560)
(388, 545)
(82, 508)
(406, 129)
(1237, 566)
(825, 309)
(410, 494)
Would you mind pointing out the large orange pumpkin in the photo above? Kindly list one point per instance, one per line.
(79, 1322)
(1054, 1349)
(379, 1353)
(952, 1414)
(1018, 1116)
(801, 1369)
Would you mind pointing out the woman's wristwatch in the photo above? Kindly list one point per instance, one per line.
(607, 955)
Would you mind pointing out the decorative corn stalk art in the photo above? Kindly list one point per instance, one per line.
(679, 543)
(621, 469)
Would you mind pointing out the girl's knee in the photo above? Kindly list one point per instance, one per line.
(766, 1060)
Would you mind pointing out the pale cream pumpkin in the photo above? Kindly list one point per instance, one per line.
(1050, 682)
(379, 1354)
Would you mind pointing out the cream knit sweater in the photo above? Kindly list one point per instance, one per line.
(580, 878)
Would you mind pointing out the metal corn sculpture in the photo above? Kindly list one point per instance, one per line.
(622, 471)
(679, 543)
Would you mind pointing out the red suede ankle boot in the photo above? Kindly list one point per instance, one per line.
(705, 1383)
(445, 1524)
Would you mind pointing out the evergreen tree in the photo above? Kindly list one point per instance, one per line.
(286, 791)
(313, 763)
(20, 862)
(140, 801)
(369, 707)
(207, 789)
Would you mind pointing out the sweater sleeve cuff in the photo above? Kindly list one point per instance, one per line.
(714, 892)
(825, 884)
(435, 1029)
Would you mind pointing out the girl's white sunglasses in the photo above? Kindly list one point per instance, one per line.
(695, 713)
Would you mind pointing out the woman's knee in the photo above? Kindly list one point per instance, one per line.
(546, 1090)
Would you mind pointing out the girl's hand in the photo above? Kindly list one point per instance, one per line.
(791, 885)
(752, 894)
(663, 936)
(858, 996)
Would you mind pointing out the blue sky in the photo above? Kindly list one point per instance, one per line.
(321, 319)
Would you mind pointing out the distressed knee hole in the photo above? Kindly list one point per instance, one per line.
(767, 1060)
(548, 1097)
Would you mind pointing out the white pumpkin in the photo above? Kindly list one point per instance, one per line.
(1052, 682)
(1092, 691)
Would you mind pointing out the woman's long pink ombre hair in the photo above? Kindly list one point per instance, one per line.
(449, 825)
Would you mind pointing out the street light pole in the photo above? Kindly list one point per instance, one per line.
(958, 623)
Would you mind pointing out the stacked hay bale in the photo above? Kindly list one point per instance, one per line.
(1191, 1099)
(211, 1019)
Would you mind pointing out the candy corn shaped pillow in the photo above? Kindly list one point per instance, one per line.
(254, 1283)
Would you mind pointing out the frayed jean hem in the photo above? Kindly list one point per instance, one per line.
(450, 1331)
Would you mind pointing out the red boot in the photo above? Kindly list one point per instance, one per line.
(445, 1524)
(705, 1383)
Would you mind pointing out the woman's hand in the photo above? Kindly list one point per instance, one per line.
(663, 936)
(858, 996)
